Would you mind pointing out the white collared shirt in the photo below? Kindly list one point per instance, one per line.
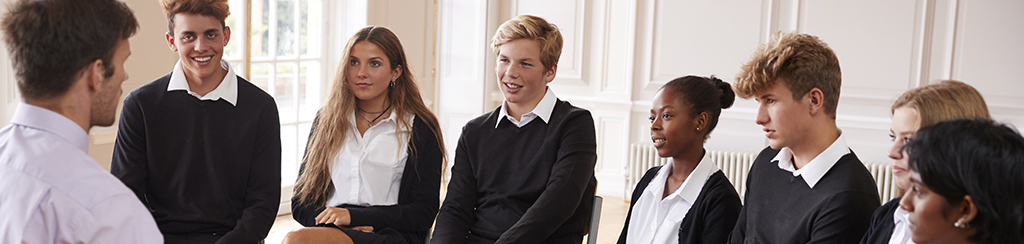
(901, 232)
(51, 191)
(368, 169)
(817, 167)
(543, 111)
(227, 89)
(655, 219)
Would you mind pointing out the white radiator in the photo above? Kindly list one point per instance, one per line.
(735, 166)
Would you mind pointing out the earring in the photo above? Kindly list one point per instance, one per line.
(698, 128)
(960, 224)
(392, 83)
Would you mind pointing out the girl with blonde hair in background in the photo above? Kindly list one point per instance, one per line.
(918, 108)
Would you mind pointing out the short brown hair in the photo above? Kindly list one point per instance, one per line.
(533, 28)
(800, 61)
(946, 100)
(218, 9)
(52, 41)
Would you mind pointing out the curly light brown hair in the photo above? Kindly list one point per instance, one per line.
(801, 62)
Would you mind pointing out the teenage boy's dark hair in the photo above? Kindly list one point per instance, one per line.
(51, 41)
(977, 158)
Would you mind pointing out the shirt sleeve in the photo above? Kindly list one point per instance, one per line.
(570, 176)
(263, 191)
(423, 183)
(129, 161)
(457, 212)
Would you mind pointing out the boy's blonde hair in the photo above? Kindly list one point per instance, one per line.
(533, 28)
(801, 62)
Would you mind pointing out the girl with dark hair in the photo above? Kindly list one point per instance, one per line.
(373, 162)
(689, 200)
(966, 183)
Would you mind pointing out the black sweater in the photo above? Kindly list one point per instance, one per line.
(533, 184)
(710, 218)
(418, 193)
(882, 224)
(202, 166)
(781, 208)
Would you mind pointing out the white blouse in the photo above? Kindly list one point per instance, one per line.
(655, 219)
(368, 169)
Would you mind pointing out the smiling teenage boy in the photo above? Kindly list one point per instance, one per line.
(523, 173)
(201, 146)
(807, 186)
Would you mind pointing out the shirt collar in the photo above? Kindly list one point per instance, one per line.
(817, 167)
(544, 108)
(900, 216)
(690, 188)
(227, 89)
(44, 119)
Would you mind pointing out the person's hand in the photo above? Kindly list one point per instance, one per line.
(367, 229)
(336, 216)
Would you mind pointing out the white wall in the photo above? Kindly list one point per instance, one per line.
(618, 53)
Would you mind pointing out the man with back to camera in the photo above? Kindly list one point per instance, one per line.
(69, 57)
(807, 186)
(201, 147)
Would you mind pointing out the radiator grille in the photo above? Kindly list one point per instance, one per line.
(735, 166)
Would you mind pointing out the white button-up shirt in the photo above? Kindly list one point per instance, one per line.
(817, 167)
(543, 111)
(368, 169)
(655, 219)
(227, 89)
(51, 191)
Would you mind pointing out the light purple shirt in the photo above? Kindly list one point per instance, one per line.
(51, 191)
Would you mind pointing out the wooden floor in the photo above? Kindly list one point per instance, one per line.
(613, 213)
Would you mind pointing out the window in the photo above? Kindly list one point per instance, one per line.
(285, 58)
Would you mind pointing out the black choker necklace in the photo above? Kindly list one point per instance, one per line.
(370, 122)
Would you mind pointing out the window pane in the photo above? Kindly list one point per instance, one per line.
(284, 89)
(289, 157)
(260, 35)
(238, 67)
(236, 46)
(309, 90)
(286, 21)
(261, 76)
(310, 45)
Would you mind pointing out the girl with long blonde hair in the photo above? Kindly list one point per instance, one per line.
(374, 158)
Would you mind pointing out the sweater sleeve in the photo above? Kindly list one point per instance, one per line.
(570, 175)
(263, 190)
(422, 179)
(738, 234)
(723, 210)
(129, 161)
(845, 218)
(458, 211)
